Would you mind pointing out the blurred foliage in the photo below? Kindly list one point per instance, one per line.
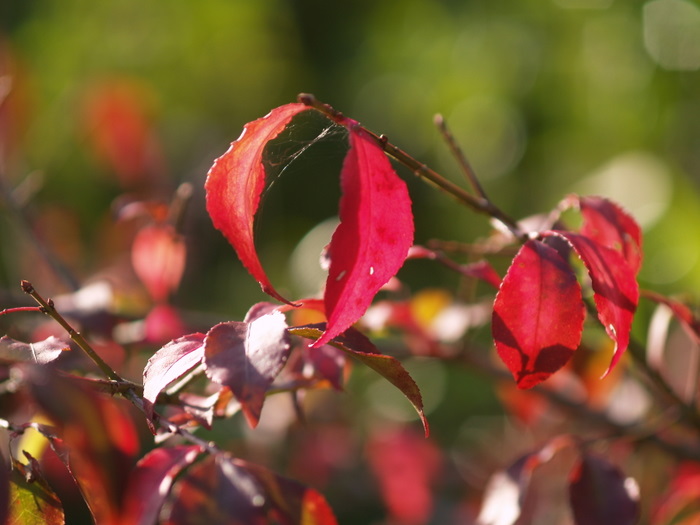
(546, 97)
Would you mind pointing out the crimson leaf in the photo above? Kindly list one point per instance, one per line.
(169, 364)
(600, 493)
(615, 288)
(373, 238)
(358, 346)
(608, 224)
(538, 314)
(246, 357)
(236, 181)
(150, 482)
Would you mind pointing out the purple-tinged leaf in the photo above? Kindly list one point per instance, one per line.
(246, 357)
(538, 314)
(235, 183)
(608, 224)
(616, 292)
(150, 482)
(600, 493)
(43, 352)
(361, 348)
(170, 363)
(373, 238)
(32, 500)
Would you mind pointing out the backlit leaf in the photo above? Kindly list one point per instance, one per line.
(358, 346)
(170, 363)
(600, 493)
(373, 238)
(538, 314)
(158, 257)
(42, 352)
(235, 183)
(32, 500)
(608, 224)
(246, 357)
(616, 292)
(150, 482)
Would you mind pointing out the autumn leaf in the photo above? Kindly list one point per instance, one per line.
(32, 500)
(373, 238)
(538, 314)
(41, 352)
(235, 183)
(246, 357)
(158, 256)
(616, 292)
(361, 348)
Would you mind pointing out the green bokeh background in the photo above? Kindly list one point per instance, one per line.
(547, 97)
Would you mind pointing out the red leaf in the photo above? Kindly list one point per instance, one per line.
(246, 357)
(608, 224)
(373, 238)
(690, 323)
(158, 257)
(406, 465)
(538, 314)
(234, 185)
(358, 346)
(600, 493)
(41, 353)
(150, 482)
(615, 288)
(169, 364)
(679, 504)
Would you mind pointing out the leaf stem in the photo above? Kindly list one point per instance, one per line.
(48, 308)
(20, 309)
(478, 204)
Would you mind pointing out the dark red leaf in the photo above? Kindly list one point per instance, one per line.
(32, 500)
(158, 257)
(150, 482)
(12, 351)
(608, 224)
(616, 292)
(358, 346)
(235, 183)
(373, 238)
(217, 491)
(600, 493)
(538, 314)
(246, 357)
(170, 363)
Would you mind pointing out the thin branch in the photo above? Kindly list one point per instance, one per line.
(479, 205)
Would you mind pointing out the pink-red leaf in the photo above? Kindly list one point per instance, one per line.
(373, 238)
(150, 482)
(158, 256)
(358, 346)
(608, 224)
(235, 183)
(246, 357)
(538, 314)
(42, 352)
(616, 292)
(600, 493)
(170, 363)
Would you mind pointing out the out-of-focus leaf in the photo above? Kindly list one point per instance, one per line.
(680, 504)
(608, 224)
(538, 314)
(162, 324)
(361, 348)
(615, 288)
(600, 493)
(246, 357)
(406, 465)
(4, 486)
(373, 238)
(97, 434)
(32, 500)
(158, 256)
(169, 364)
(12, 351)
(235, 183)
(682, 312)
(150, 482)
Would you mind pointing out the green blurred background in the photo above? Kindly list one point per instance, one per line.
(547, 97)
